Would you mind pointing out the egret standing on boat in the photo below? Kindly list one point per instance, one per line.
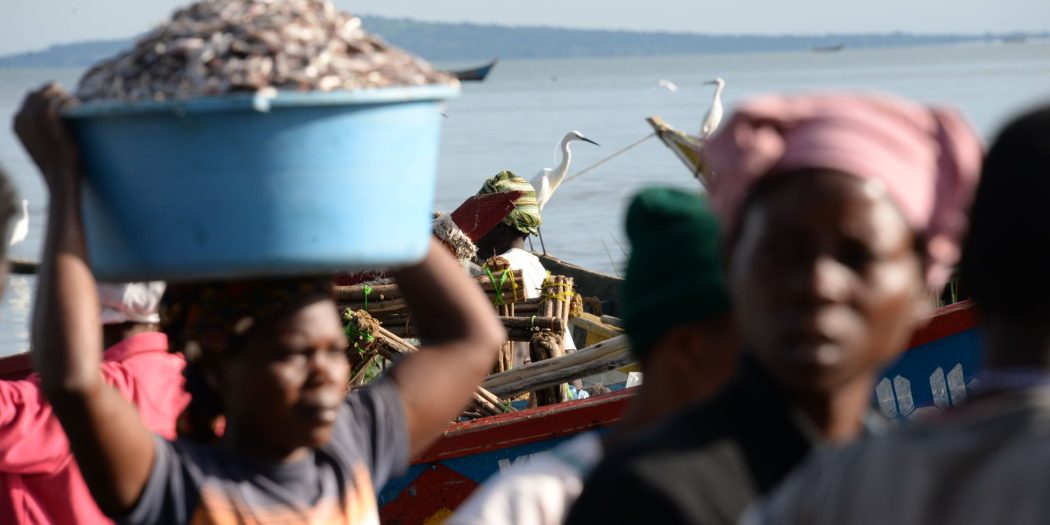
(548, 180)
(21, 229)
(714, 115)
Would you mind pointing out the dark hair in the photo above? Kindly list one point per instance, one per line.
(8, 209)
(198, 419)
(1006, 252)
(203, 320)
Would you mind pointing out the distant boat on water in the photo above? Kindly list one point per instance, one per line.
(1019, 39)
(476, 74)
(829, 49)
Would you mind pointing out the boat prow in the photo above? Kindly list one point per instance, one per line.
(829, 49)
(688, 148)
(476, 74)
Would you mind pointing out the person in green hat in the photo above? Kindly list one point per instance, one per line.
(507, 240)
(676, 314)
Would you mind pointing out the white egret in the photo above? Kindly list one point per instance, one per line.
(21, 229)
(547, 180)
(714, 115)
(668, 85)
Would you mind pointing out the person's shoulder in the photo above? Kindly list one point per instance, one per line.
(582, 452)
(367, 402)
(371, 427)
(200, 457)
(630, 486)
(145, 344)
(518, 257)
(691, 429)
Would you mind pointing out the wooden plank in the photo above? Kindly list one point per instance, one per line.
(601, 357)
(518, 328)
(593, 325)
(569, 373)
(528, 426)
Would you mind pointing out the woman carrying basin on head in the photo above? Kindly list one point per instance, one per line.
(295, 447)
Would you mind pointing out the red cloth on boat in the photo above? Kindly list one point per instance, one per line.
(39, 481)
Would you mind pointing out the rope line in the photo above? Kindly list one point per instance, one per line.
(633, 145)
(498, 285)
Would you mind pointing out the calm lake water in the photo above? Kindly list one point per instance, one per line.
(515, 119)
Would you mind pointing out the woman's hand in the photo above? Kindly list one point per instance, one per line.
(47, 139)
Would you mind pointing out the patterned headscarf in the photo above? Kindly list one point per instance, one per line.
(526, 214)
(209, 319)
(926, 159)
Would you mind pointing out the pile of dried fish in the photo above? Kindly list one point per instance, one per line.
(222, 46)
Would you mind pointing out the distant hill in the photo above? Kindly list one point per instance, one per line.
(443, 41)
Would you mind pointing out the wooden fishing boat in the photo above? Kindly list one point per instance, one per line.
(932, 374)
(476, 74)
(829, 49)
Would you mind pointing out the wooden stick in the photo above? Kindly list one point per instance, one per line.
(546, 345)
(527, 308)
(484, 406)
(388, 292)
(560, 377)
(545, 323)
(357, 374)
(491, 398)
(593, 325)
(607, 355)
(518, 328)
(393, 348)
(597, 350)
(356, 293)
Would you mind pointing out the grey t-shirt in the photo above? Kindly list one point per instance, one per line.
(336, 484)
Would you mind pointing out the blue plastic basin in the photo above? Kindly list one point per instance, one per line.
(247, 185)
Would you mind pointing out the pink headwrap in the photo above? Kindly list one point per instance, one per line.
(928, 160)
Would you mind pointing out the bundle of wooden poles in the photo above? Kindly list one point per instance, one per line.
(371, 341)
(379, 322)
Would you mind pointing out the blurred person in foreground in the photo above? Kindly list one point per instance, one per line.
(987, 460)
(507, 240)
(295, 448)
(841, 212)
(39, 481)
(676, 314)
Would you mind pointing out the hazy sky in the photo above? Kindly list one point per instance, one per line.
(34, 24)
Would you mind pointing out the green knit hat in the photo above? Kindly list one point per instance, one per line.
(526, 214)
(674, 274)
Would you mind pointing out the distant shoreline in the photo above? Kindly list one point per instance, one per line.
(468, 42)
